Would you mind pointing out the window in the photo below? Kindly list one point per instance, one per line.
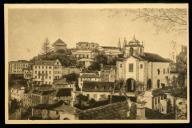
(120, 65)
(141, 66)
(35, 72)
(158, 83)
(130, 67)
(158, 71)
(163, 71)
(162, 97)
(50, 67)
(131, 51)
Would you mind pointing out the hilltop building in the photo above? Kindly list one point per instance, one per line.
(86, 46)
(59, 45)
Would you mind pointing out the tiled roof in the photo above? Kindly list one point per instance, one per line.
(106, 112)
(64, 92)
(60, 82)
(152, 114)
(59, 42)
(89, 86)
(48, 106)
(66, 108)
(44, 62)
(48, 92)
(154, 58)
(19, 61)
(109, 47)
(148, 57)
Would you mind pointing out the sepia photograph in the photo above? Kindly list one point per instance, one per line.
(96, 63)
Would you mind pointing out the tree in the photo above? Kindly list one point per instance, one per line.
(73, 77)
(164, 19)
(14, 106)
(46, 48)
(99, 59)
(181, 65)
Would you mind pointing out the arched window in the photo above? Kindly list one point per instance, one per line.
(131, 85)
(158, 83)
(158, 71)
(149, 84)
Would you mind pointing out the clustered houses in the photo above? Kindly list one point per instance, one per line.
(108, 73)
(144, 76)
(17, 93)
(94, 76)
(97, 90)
(17, 67)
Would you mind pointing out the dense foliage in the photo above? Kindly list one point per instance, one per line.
(65, 57)
(102, 59)
(73, 77)
(181, 65)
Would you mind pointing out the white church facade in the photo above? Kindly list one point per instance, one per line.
(141, 70)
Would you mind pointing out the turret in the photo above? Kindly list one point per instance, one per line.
(134, 47)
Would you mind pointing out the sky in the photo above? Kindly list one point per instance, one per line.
(28, 28)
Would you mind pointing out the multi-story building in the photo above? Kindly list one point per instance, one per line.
(94, 76)
(108, 73)
(46, 71)
(28, 73)
(84, 57)
(65, 94)
(86, 46)
(98, 90)
(27, 101)
(59, 45)
(40, 97)
(110, 51)
(16, 67)
(157, 100)
(80, 54)
(150, 70)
